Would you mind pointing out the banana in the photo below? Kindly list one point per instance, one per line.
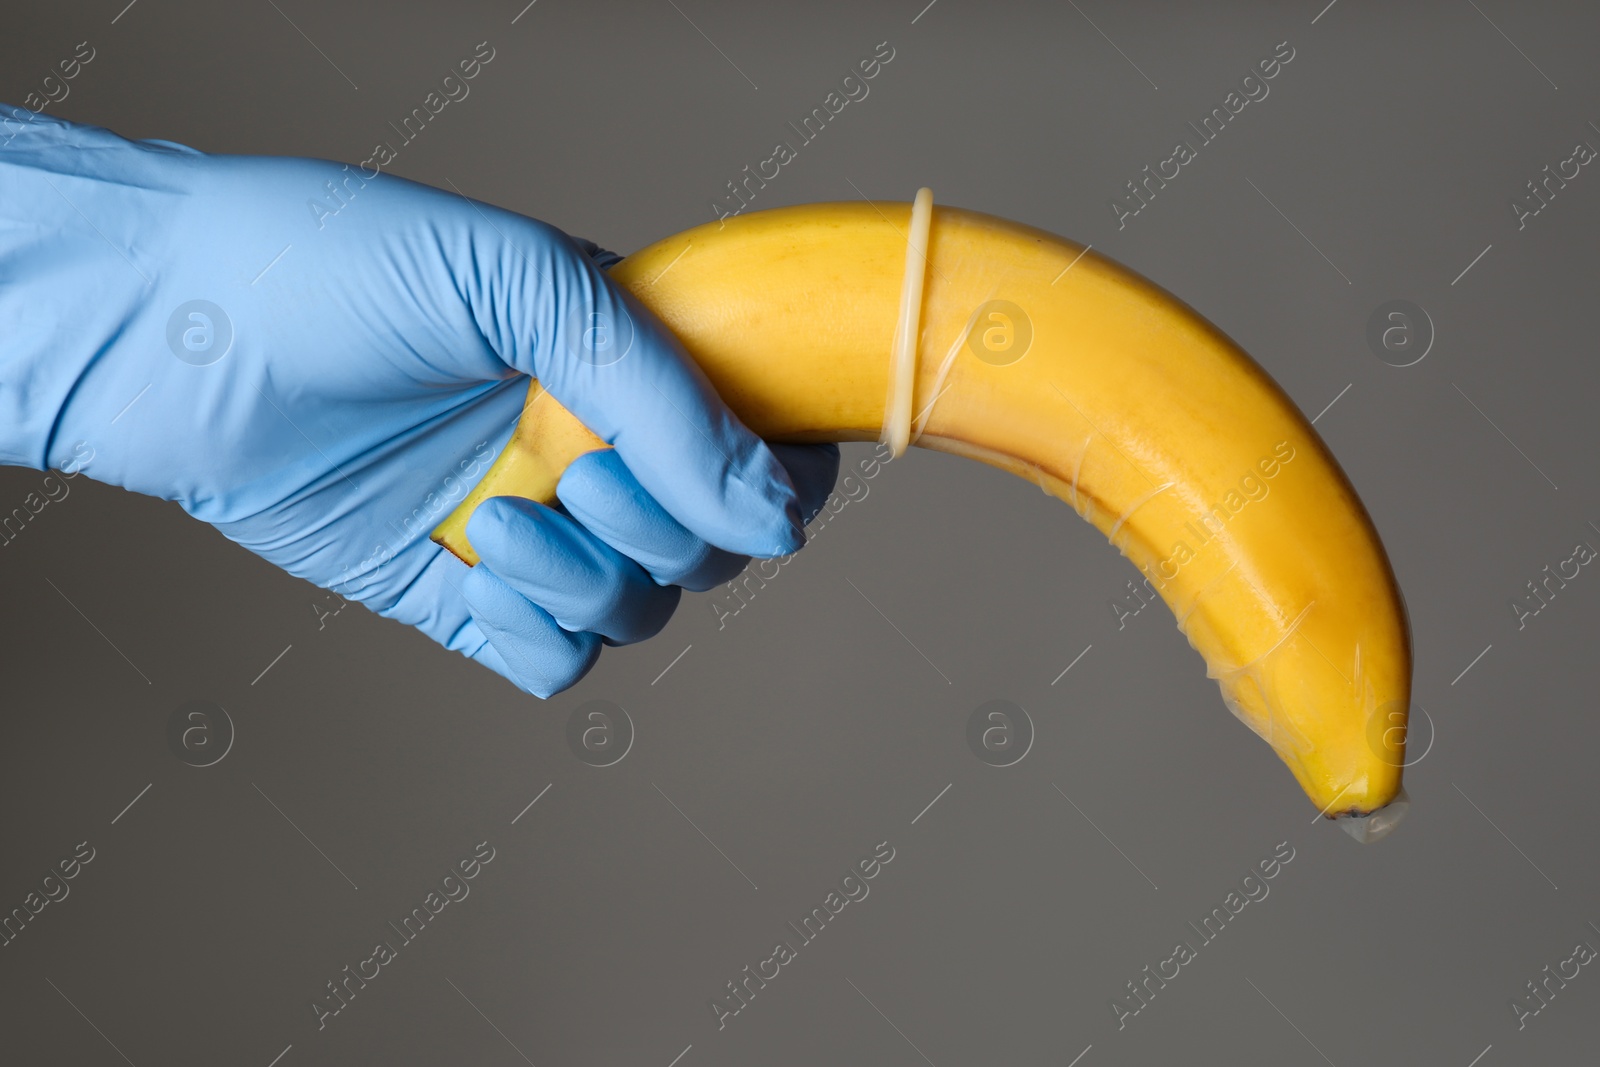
(1042, 358)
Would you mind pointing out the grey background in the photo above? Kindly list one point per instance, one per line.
(808, 730)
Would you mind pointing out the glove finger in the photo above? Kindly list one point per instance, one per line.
(599, 491)
(813, 470)
(525, 643)
(582, 582)
(482, 651)
(473, 612)
(552, 312)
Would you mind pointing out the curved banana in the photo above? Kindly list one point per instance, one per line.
(1049, 361)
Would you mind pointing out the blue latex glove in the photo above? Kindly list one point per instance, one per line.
(358, 361)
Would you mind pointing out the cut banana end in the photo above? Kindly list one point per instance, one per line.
(1379, 824)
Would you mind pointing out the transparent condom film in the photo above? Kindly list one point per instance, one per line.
(896, 432)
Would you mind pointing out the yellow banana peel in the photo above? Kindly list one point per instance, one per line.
(1045, 359)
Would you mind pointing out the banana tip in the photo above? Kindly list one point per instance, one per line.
(1375, 825)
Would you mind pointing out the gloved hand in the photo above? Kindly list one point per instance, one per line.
(321, 361)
